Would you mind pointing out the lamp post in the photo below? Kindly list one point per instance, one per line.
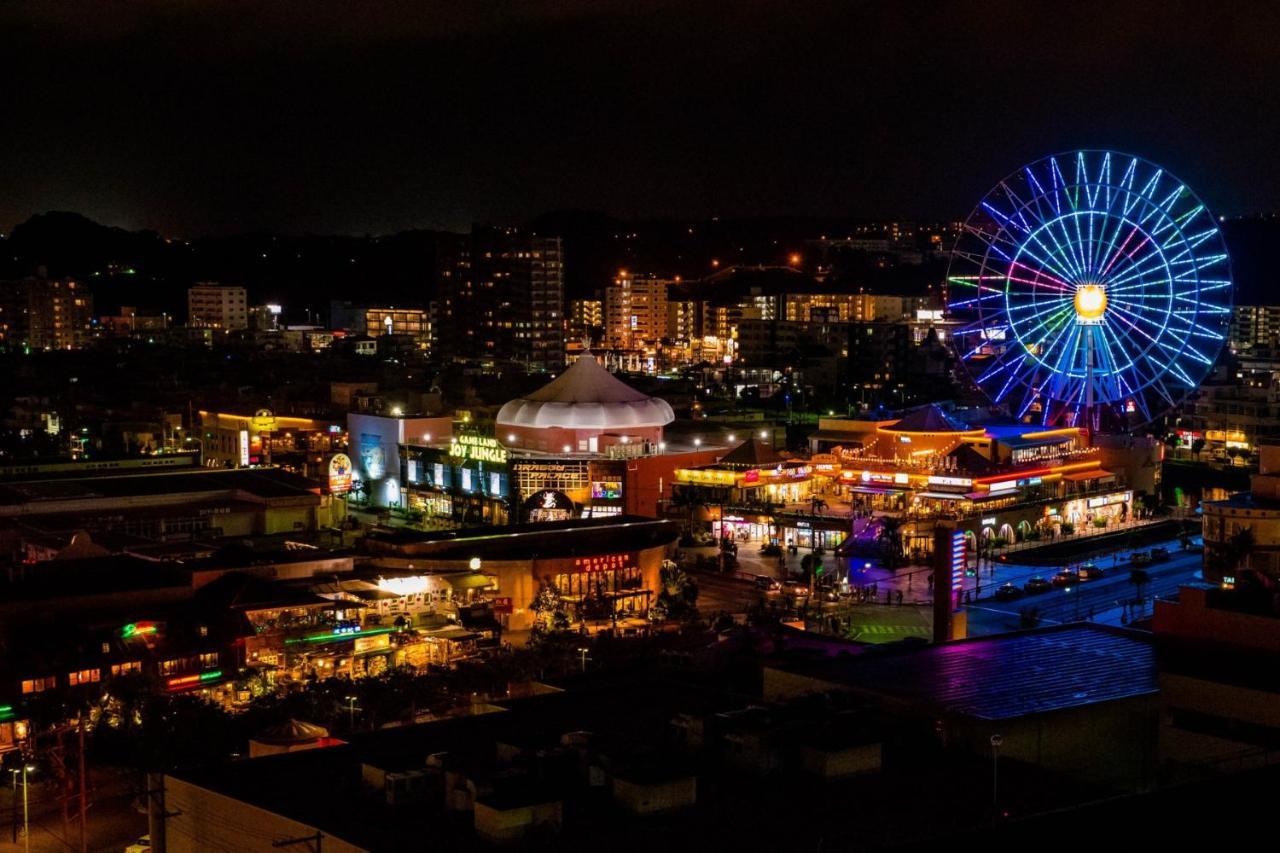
(996, 742)
(583, 652)
(26, 822)
(351, 708)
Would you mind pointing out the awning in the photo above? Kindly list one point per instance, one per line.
(876, 490)
(1087, 475)
(944, 496)
(986, 496)
(373, 594)
(473, 580)
(454, 635)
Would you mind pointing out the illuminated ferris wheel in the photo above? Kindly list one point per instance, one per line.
(1088, 285)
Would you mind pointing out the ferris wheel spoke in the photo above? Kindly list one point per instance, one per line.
(1120, 222)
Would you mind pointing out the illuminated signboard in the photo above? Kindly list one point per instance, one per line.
(958, 559)
(339, 474)
(1027, 481)
(479, 447)
(1004, 485)
(604, 563)
(244, 448)
(191, 680)
(263, 421)
(989, 521)
(372, 644)
(950, 481)
(609, 490)
(901, 479)
(752, 476)
(1107, 500)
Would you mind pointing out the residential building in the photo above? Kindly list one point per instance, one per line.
(217, 306)
(1255, 326)
(585, 319)
(414, 323)
(635, 309)
(46, 314)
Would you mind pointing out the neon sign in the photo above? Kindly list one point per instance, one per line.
(958, 561)
(479, 447)
(188, 680)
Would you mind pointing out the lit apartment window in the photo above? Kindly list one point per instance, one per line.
(209, 660)
(126, 667)
(84, 676)
(39, 685)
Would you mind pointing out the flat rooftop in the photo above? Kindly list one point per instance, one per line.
(1004, 676)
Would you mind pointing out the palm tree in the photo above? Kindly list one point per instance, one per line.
(890, 539)
(689, 500)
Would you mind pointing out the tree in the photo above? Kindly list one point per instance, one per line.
(689, 500)
(678, 598)
(1139, 578)
(549, 614)
(1196, 447)
(890, 539)
(1240, 546)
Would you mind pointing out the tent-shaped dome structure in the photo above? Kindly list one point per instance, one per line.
(586, 397)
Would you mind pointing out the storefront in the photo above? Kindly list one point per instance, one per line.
(559, 489)
(467, 483)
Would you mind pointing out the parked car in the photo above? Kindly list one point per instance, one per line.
(1036, 585)
(1008, 592)
(1159, 555)
(1064, 578)
(1140, 558)
(1090, 572)
(795, 588)
(766, 583)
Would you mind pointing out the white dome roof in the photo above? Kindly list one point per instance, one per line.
(586, 396)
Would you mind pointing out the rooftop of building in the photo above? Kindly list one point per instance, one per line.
(1004, 676)
(586, 396)
(247, 483)
(545, 540)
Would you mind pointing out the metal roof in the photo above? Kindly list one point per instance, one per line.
(1011, 675)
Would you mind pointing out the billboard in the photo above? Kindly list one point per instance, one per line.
(339, 474)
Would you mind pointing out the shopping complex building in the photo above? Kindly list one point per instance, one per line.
(997, 482)
(586, 445)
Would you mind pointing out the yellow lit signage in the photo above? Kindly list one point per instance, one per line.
(479, 447)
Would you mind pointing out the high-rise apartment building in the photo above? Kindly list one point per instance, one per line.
(1255, 326)
(501, 299)
(413, 322)
(41, 313)
(217, 306)
(584, 319)
(635, 309)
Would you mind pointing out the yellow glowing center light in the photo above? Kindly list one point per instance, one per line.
(1091, 301)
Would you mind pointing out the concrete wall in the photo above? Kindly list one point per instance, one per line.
(511, 824)
(206, 820)
(642, 798)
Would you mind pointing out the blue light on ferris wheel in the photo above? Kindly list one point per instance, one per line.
(1089, 277)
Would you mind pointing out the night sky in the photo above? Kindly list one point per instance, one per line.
(204, 117)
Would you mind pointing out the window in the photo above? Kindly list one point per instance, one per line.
(209, 660)
(127, 666)
(39, 685)
(84, 676)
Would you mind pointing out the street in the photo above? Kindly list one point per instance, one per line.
(1105, 600)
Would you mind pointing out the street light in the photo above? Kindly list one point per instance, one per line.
(997, 741)
(583, 651)
(351, 707)
(474, 564)
(26, 820)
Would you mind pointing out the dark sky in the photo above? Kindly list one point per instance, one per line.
(213, 116)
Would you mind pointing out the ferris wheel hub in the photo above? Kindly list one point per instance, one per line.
(1090, 303)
